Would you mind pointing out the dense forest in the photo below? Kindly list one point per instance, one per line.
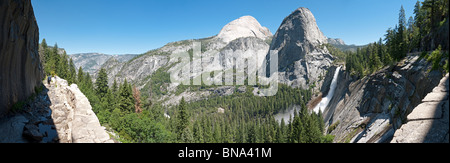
(424, 32)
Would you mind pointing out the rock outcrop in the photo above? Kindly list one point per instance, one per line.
(429, 121)
(59, 114)
(302, 60)
(246, 26)
(74, 120)
(371, 109)
(20, 66)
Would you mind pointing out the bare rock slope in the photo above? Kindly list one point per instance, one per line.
(373, 108)
(301, 58)
(428, 122)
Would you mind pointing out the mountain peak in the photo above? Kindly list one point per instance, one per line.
(336, 41)
(303, 22)
(246, 26)
(301, 59)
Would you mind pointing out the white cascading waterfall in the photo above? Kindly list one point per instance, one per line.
(324, 102)
(289, 112)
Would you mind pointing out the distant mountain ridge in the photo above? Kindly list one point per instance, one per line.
(341, 45)
(92, 62)
(298, 40)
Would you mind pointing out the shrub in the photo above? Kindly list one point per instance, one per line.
(435, 58)
(333, 126)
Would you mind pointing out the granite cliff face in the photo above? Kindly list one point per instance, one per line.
(20, 66)
(371, 109)
(302, 59)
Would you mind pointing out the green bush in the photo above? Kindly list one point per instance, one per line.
(333, 126)
(435, 58)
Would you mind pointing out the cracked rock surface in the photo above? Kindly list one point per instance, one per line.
(428, 122)
(59, 114)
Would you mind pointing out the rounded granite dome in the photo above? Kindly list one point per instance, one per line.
(246, 26)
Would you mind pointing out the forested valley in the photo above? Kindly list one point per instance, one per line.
(247, 118)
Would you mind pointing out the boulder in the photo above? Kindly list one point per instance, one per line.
(31, 131)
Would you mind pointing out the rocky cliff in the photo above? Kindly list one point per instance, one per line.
(371, 109)
(20, 66)
(302, 59)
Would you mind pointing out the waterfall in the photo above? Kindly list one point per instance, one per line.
(324, 102)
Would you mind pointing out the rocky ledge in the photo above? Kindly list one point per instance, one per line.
(59, 114)
(428, 122)
(74, 119)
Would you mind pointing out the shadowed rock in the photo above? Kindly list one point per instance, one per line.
(429, 121)
(20, 66)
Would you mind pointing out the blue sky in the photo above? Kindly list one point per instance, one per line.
(137, 26)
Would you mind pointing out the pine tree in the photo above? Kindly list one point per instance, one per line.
(44, 44)
(88, 82)
(402, 48)
(46, 57)
(102, 84)
(72, 72)
(374, 61)
(80, 76)
(126, 98)
(182, 118)
(186, 136)
(198, 133)
(55, 58)
(63, 66)
(114, 87)
(297, 129)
